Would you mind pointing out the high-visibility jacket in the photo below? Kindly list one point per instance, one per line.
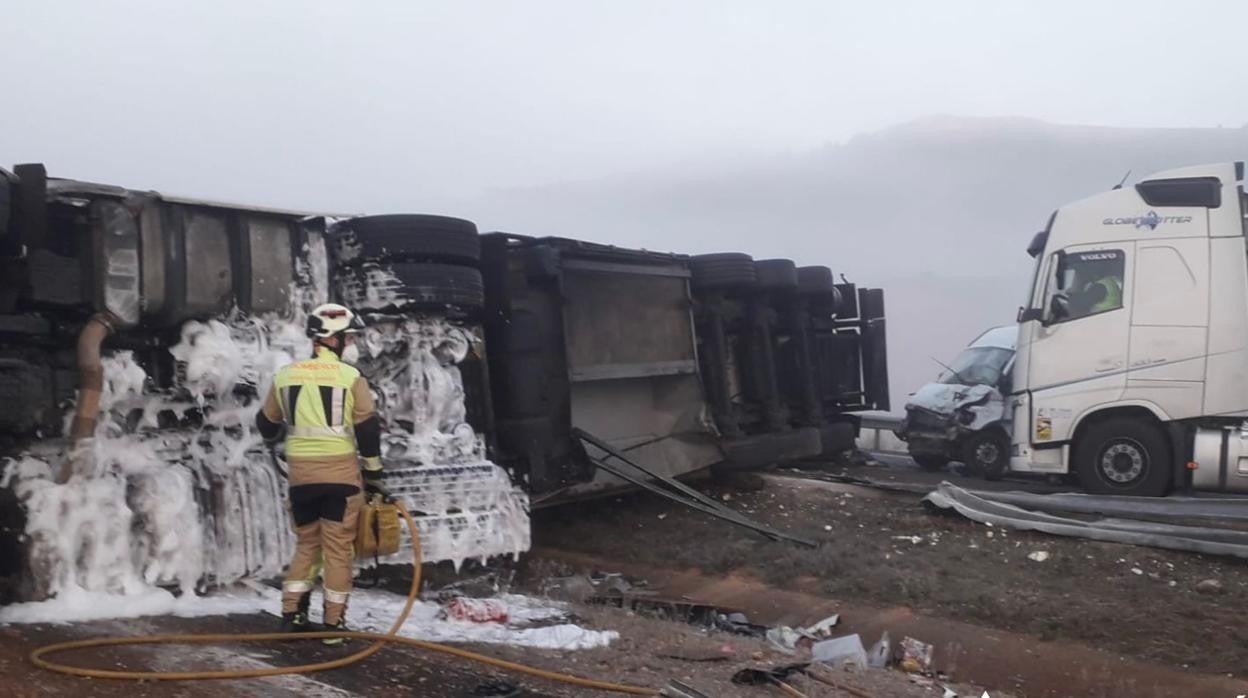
(320, 400)
(1113, 294)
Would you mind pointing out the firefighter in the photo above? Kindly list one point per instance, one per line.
(325, 410)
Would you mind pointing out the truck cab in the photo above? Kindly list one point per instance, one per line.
(1132, 361)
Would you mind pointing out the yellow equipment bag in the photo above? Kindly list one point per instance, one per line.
(377, 534)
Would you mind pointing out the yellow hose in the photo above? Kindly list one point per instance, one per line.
(37, 656)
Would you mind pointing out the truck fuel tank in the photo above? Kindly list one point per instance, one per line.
(1221, 458)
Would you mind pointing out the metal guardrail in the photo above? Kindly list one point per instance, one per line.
(877, 433)
(887, 422)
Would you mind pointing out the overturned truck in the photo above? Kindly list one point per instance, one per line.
(139, 329)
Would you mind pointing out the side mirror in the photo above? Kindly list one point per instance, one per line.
(1058, 310)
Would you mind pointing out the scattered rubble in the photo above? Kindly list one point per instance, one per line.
(881, 652)
(1209, 586)
(916, 656)
(1038, 556)
(841, 651)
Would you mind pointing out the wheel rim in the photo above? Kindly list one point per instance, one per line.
(987, 453)
(1122, 461)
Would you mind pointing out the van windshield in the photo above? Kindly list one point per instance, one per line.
(977, 366)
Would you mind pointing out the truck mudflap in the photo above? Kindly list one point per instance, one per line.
(874, 349)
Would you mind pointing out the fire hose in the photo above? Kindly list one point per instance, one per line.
(38, 656)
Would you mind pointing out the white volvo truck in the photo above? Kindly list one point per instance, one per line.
(1132, 363)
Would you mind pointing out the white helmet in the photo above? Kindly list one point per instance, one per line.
(330, 319)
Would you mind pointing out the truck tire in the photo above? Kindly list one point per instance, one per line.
(987, 453)
(722, 271)
(931, 462)
(776, 274)
(1123, 456)
(412, 285)
(410, 237)
(815, 281)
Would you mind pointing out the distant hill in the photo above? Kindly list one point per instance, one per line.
(937, 211)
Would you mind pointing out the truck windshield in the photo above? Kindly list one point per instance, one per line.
(977, 366)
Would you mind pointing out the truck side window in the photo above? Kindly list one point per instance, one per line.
(1092, 281)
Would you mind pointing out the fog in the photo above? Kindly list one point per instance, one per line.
(910, 145)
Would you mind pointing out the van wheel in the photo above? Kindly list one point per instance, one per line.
(1124, 456)
(987, 453)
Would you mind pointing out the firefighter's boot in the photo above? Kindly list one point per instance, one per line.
(341, 625)
(298, 622)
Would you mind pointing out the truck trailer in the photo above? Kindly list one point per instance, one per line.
(139, 330)
(1132, 361)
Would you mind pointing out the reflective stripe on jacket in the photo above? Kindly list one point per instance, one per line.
(317, 402)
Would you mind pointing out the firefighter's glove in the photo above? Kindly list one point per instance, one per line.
(372, 478)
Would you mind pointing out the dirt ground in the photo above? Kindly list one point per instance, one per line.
(887, 550)
(1093, 619)
(650, 653)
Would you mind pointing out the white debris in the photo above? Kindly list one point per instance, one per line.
(1038, 556)
(531, 622)
(915, 540)
(375, 611)
(1137, 571)
(78, 605)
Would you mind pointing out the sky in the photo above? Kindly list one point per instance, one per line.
(800, 128)
(389, 105)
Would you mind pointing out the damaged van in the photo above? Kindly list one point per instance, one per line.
(962, 416)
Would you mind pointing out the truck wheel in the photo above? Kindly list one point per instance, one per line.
(987, 453)
(411, 237)
(776, 274)
(1123, 456)
(815, 281)
(931, 462)
(405, 285)
(722, 271)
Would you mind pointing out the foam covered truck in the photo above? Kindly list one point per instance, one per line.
(1132, 362)
(139, 328)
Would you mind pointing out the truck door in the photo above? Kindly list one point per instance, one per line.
(1079, 352)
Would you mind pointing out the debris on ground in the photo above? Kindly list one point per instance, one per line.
(821, 630)
(1038, 556)
(783, 639)
(1209, 586)
(576, 588)
(987, 508)
(480, 586)
(738, 624)
(768, 677)
(841, 651)
(916, 656)
(881, 652)
(721, 653)
(476, 610)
